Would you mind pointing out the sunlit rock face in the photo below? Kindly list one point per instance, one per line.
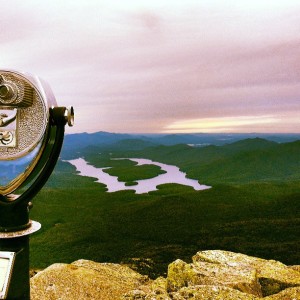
(243, 279)
(273, 276)
(213, 275)
(84, 280)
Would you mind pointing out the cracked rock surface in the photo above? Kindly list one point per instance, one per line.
(213, 275)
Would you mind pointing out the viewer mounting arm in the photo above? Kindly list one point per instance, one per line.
(31, 135)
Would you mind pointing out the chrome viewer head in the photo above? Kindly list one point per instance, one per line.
(32, 130)
(26, 105)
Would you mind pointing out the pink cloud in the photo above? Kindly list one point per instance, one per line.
(151, 65)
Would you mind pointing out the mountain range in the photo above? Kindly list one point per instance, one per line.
(252, 207)
(102, 139)
(210, 158)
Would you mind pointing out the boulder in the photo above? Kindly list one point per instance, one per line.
(287, 294)
(211, 292)
(296, 268)
(181, 274)
(85, 280)
(273, 276)
(157, 290)
(213, 274)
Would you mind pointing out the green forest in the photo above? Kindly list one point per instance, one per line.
(252, 208)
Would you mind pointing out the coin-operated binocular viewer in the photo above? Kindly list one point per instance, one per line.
(31, 135)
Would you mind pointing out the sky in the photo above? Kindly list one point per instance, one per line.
(162, 66)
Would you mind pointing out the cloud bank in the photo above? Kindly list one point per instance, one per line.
(162, 66)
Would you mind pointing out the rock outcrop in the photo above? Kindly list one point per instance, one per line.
(84, 280)
(273, 276)
(213, 274)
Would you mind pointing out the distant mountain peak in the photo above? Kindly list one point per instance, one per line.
(252, 143)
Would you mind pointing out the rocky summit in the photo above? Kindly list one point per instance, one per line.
(212, 275)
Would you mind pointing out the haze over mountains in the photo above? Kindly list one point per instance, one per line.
(252, 207)
(210, 158)
(82, 140)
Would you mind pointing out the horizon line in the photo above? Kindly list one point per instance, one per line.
(186, 133)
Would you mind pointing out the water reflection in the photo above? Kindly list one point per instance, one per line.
(11, 169)
(172, 175)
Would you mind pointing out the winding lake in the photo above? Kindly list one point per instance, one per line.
(172, 175)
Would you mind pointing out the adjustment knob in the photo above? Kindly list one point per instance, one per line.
(6, 92)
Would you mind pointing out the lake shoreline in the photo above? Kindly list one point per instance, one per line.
(172, 175)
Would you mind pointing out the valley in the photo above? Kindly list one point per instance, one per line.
(168, 174)
(253, 205)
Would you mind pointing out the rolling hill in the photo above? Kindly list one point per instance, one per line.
(244, 161)
(252, 207)
(107, 140)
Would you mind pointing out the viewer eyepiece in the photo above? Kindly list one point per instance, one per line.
(32, 130)
(29, 117)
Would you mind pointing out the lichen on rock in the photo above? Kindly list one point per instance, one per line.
(213, 275)
(243, 279)
(84, 280)
(273, 275)
(212, 292)
(287, 294)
